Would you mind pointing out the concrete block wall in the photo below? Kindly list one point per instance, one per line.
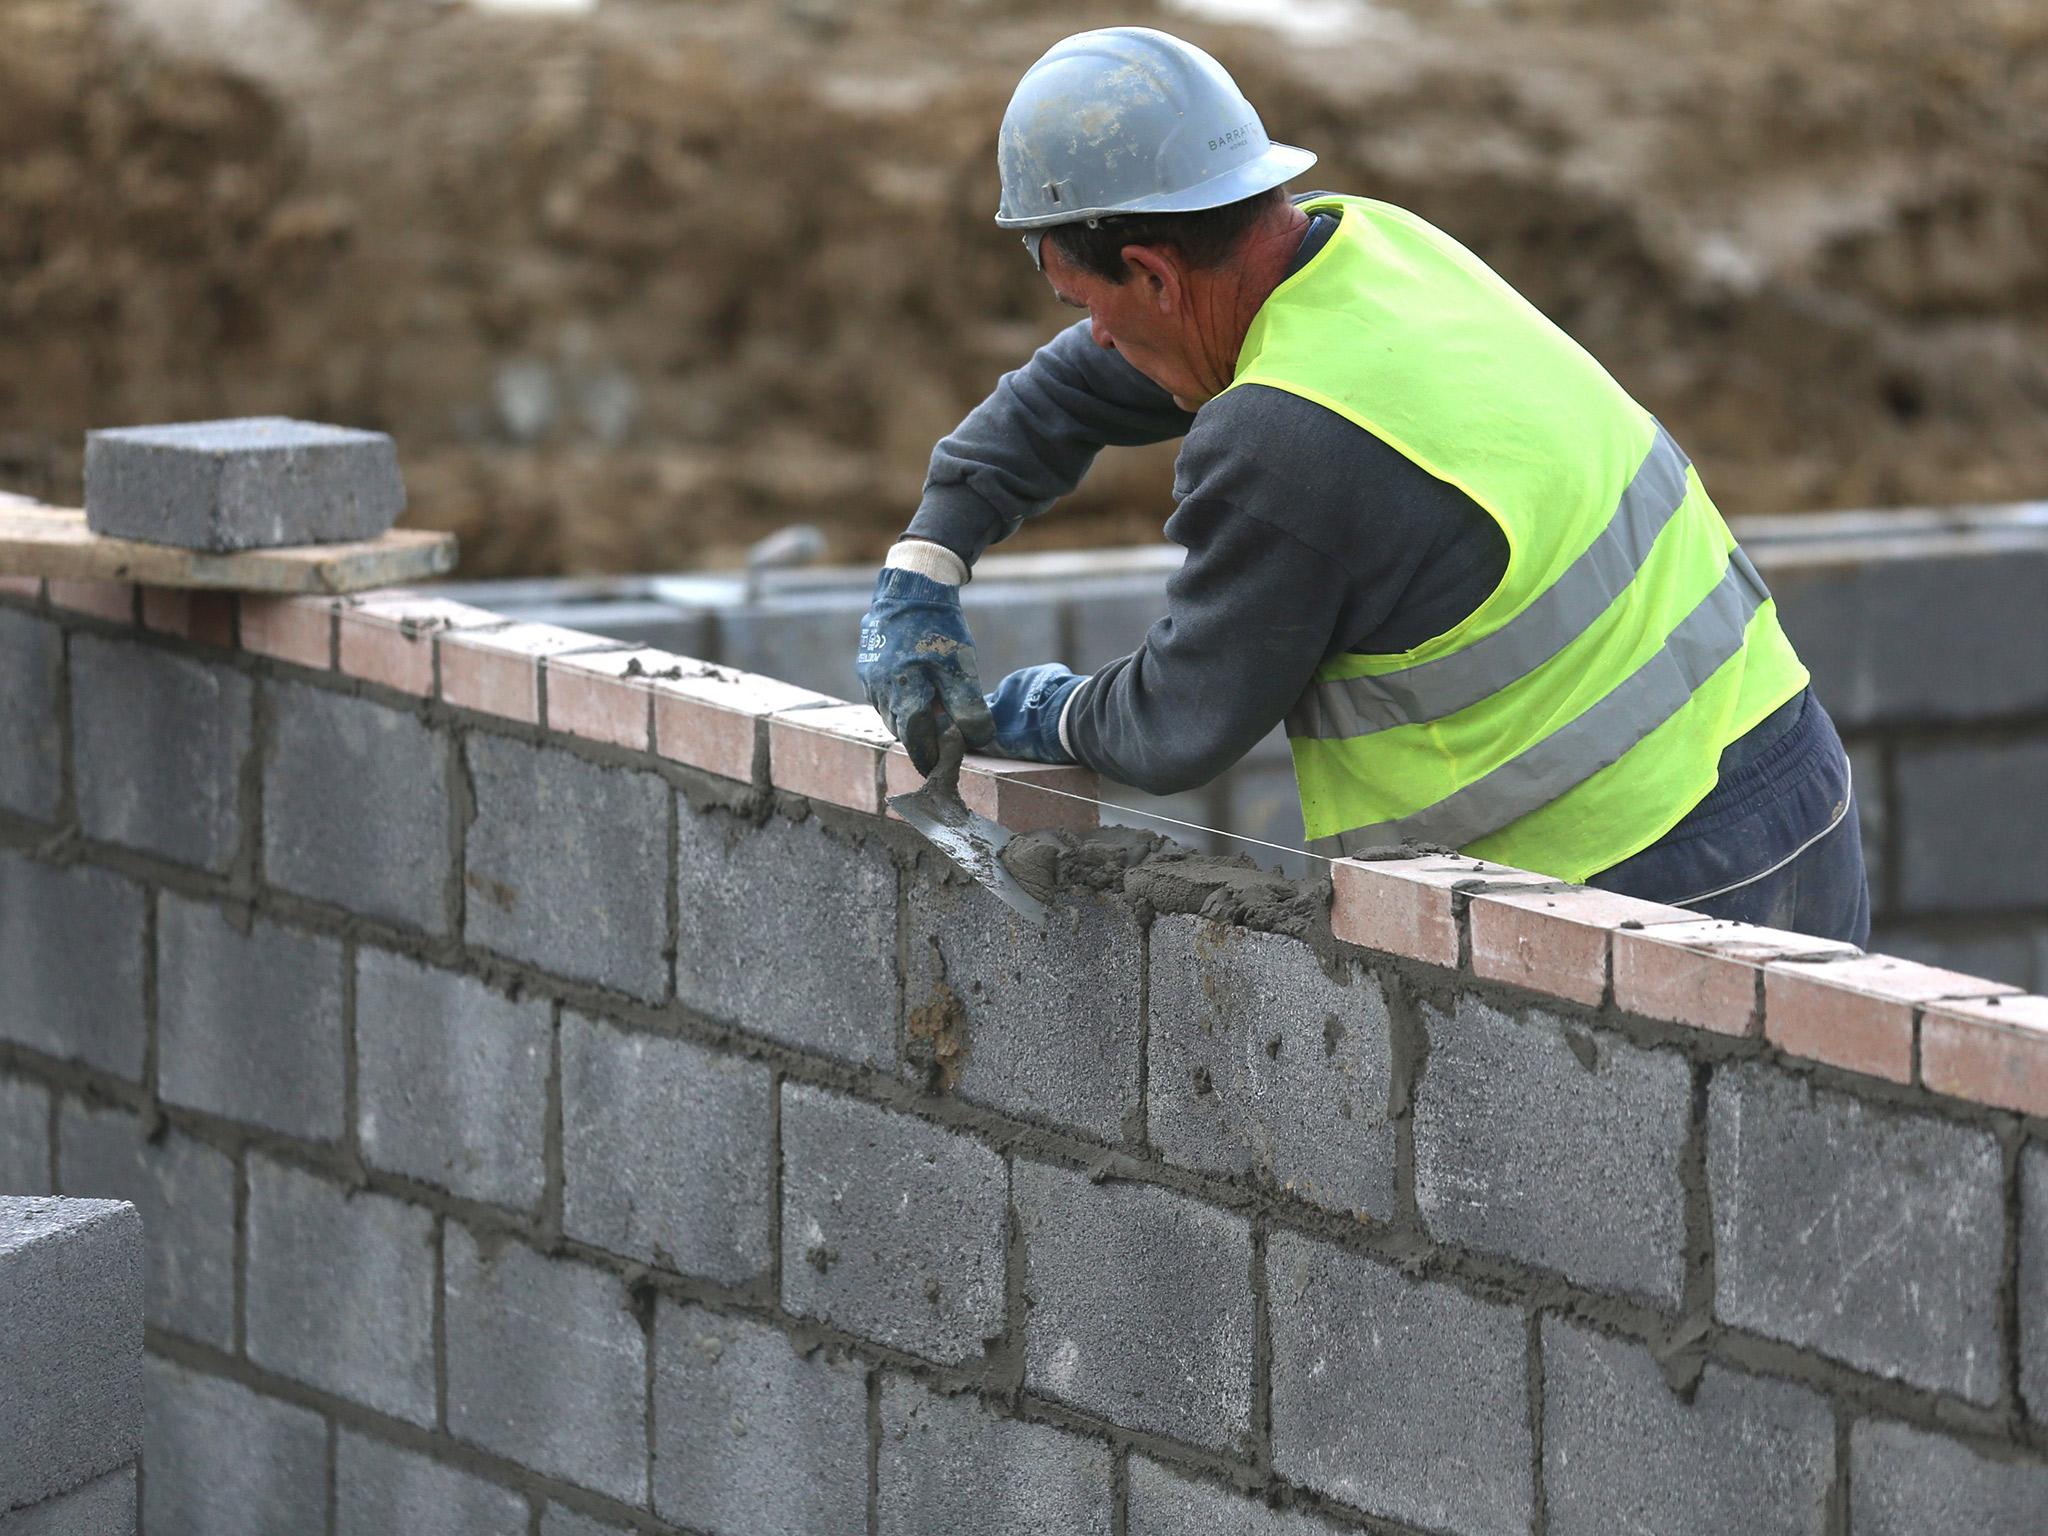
(651, 1135)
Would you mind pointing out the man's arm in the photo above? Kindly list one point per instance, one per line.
(1030, 442)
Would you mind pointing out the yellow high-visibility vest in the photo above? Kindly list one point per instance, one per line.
(1577, 714)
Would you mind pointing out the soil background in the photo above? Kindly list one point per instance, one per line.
(635, 287)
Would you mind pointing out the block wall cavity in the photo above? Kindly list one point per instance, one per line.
(557, 1101)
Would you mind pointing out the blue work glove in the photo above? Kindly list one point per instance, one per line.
(1026, 708)
(917, 664)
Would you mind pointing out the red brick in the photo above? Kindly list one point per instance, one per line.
(1405, 906)
(1011, 794)
(715, 722)
(389, 638)
(590, 694)
(1858, 1013)
(497, 671)
(205, 617)
(1992, 1052)
(1555, 941)
(1704, 973)
(832, 753)
(30, 587)
(103, 599)
(295, 629)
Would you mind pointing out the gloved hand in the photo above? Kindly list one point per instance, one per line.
(917, 664)
(1026, 709)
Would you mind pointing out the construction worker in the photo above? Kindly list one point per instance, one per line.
(1483, 587)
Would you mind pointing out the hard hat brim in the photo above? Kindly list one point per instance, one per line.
(1280, 163)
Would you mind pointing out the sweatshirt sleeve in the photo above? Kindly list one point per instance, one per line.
(1030, 442)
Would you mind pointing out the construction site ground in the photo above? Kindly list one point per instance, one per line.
(635, 287)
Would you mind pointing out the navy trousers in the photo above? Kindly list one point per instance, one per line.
(1775, 842)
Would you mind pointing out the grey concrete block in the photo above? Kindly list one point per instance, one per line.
(2033, 1291)
(379, 1490)
(1045, 1024)
(32, 660)
(1164, 1503)
(1140, 1305)
(70, 1343)
(71, 949)
(1970, 826)
(1109, 617)
(546, 1366)
(1621, 1452)
(24, 1138)
(157, 748)
(667, 1151)
(451, 1079)
(562, 1522)
(2007, 956)
(568, 865)
(788, 932)
(103, 1507)
(249, 483)
(752, 1435)
(1260, 1063)
(1873, 1236)
(892, 1228)
(249, 1021)
(1014, 625)
(803, 638)
(1556, 1145)
(1261, 802)
(1404, 1398)
(355, 806)
(1907, 1482)
(953, 1464)
(223, 1461)
(340, 1290)
(1867, 779)
(184, 1192)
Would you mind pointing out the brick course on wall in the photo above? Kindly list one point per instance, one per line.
(600, 1142)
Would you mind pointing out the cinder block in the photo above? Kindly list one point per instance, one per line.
(666, 1151)
(1970, 824)
(1140, 1305)
(753, 1435)
(953, 1464)
(1260, 1063)
(561, 1522)
(2033, 1290)
(71, 953)
(892, 1228)
(1622, 1453)
(249, 1020)
(497, 671)
(340, 1291)
(1108, 617)
(1163, 1503)
(1872, 1236)
(355, 806)
(32, 659)
(2009, 955)
(379, 1490)
(225, 1462)
(1908, 1482)
(1014, 624)
(807, 639)
(184, 1192)
(157, 748)
(299, 630)
(1857, 1012)
(1040, 1024)
(451, 1079)
(1552, 1144)
(567, 866)
(1404, 1398)
(24, 1138)
(546, 1366)
(789, 933)
(70, 1343)
(1555, 941)
(388, 638)
(250, 483)
(103, 1507)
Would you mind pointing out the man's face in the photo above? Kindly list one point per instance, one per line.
(1139, 317)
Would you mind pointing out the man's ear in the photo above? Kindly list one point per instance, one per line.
(1158, 269)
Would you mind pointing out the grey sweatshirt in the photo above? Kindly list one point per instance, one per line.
(1306, 537)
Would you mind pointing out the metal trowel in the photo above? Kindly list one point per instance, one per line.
(972, 842)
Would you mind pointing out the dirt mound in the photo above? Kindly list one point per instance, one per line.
(636, 287)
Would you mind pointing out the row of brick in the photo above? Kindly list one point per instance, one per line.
(1970, 1039)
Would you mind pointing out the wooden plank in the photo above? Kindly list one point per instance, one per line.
(53, 542)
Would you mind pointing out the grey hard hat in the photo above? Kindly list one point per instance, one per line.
(1131, 120)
